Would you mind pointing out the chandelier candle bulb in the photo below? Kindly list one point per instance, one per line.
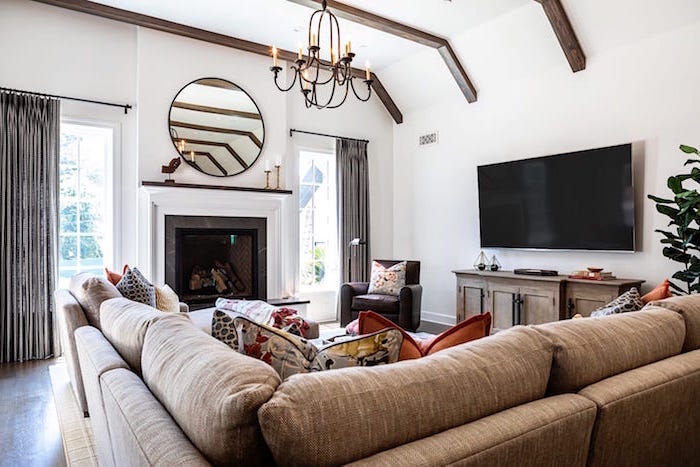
(274, 56)
(300, 53)
(313, 39)
(367, 74)
(191, 156)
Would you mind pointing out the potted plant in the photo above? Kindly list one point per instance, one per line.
(682, 240)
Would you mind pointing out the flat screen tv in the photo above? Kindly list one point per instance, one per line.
(577, 201)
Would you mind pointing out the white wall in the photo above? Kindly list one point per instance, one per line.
(49, 49)
(531, 104)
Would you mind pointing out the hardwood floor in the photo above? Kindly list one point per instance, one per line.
(29, 431)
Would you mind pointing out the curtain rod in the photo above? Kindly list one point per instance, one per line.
(292, 130)
(126, 107)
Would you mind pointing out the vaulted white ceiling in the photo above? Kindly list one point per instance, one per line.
(284, 24)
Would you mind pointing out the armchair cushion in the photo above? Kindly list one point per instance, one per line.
(379, 303)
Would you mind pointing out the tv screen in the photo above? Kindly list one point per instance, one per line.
(576, 201)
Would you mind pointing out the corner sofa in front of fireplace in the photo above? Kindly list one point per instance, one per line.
(617, 390)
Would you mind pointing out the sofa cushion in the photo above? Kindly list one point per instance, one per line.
(628, 301)
(124, 324)
(389, 405)
(211, 391)
(142, 431)
(554, 431)
(90, 291)
(589, 350)
(649, 415)
(223, 329)
(689, 308)
(376, 302)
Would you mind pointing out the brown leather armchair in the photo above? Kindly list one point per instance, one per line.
(403, 309)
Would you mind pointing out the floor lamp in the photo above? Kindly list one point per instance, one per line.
(354, 242)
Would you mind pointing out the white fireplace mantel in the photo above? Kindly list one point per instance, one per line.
(156, 202)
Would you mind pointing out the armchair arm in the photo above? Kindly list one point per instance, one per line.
(409, 306)
(347, 292)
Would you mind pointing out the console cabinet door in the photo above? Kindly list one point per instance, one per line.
(539, 305)
(471, 297)
(585, 298)
(502, 304)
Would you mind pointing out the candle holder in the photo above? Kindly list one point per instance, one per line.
(277, 169)
(267, 179)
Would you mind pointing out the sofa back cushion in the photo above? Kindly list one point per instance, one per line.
(389, 405)
(212, 391)
(592, 349)
(689, 308)
(124, 324)
(90, 291)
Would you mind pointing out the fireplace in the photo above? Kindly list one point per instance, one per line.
(207, 257)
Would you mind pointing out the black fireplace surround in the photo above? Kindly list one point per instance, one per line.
(207, 257)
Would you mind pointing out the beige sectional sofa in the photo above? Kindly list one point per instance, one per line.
(619, 390)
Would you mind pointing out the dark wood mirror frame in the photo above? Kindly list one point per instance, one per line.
(215, 137)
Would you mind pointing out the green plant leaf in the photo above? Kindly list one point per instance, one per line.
(677, 288)
(688, 149)
(675, 184)
(676, 255)
(668, 211)
(660, 200)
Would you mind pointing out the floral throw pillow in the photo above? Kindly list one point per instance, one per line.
(286, 353)
(224, 329)
(628, 301)
(134, 286)
(369, 350)
(387, 281)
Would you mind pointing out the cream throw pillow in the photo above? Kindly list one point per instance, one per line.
(387, 281)
(166, 299)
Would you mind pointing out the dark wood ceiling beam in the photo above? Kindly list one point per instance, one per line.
(565, 33)
(157, 24)
(387, 25)
(217, 144)
(210, 157)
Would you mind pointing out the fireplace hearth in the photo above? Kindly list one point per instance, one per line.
(208, 257)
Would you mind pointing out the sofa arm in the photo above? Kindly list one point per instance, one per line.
(71, 317)
(347, 292)
(409, 306)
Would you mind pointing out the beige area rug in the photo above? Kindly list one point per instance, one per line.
(78, 442)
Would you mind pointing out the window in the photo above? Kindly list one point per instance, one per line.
(318, 222)
(85, 233)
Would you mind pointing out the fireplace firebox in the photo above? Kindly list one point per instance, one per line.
(208, 257)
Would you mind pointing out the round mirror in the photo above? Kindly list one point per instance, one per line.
(216, 127)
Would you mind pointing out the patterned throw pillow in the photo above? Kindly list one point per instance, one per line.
(474, 328)
(134, 286)
(387, 281)
(166, 299)
(369, 350)
(286, 353)
(224, 329)
(628, 301)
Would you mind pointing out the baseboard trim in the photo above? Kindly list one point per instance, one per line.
(439, 318)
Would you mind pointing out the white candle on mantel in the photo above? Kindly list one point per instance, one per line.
(267, 165)
(278, 162)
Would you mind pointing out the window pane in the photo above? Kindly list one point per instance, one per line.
(69, 217)
(318, 222)
(86, 152)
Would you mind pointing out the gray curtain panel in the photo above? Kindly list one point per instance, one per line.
(353, 208)
(29, 151)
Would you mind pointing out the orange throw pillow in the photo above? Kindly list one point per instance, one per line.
(113, 277)
(474, 328)
(659, 292)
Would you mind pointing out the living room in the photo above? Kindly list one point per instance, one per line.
(510, 81)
